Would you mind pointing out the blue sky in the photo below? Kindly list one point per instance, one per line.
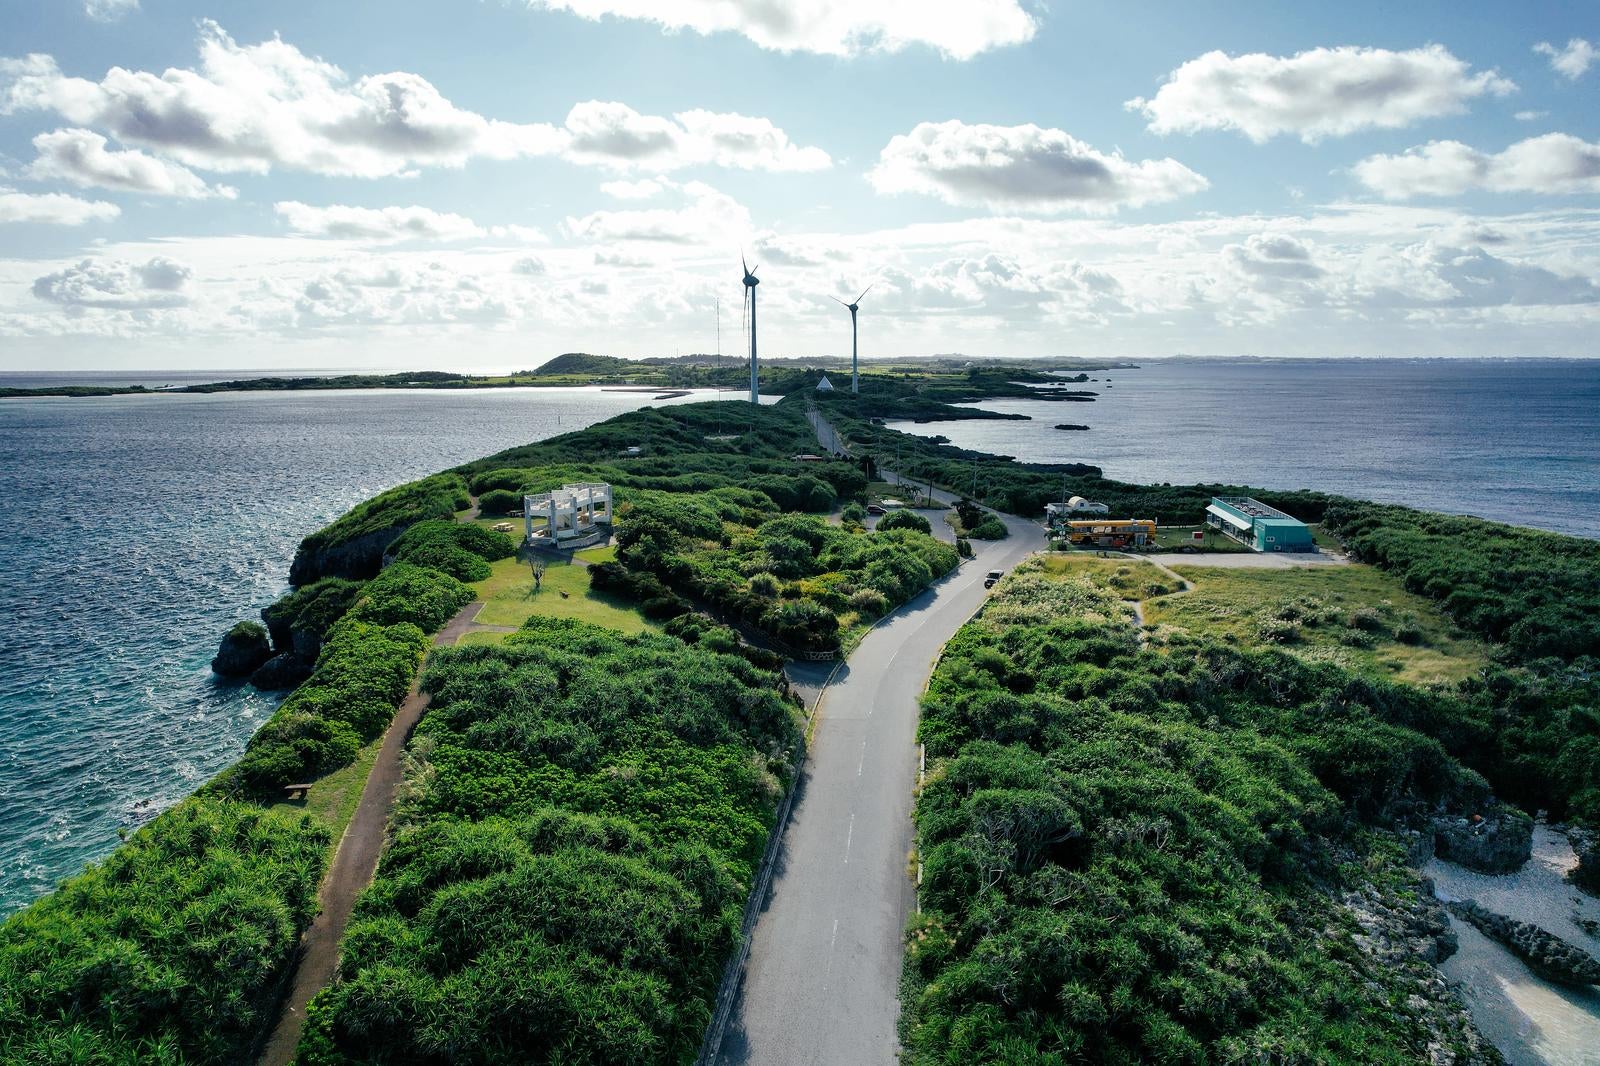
(486, 183)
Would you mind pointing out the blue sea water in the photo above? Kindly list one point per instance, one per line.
(1513, 440)
(136, 530)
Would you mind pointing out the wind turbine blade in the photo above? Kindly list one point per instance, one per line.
(743, 264)
(838, 301)
(863, 293)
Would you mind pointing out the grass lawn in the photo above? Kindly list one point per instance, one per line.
(332, 800)
(605, 554)
(1313, 612)
(1171, 537)
(1131, 578)
(510, 599)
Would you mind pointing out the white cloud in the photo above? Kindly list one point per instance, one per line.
(397, 294)
(1571, 61)
(250, 108)
(960, 29)
(644, 189)
(376, 223)
(1529, 116)
(1324, 92)
(709, 217)
(81, 157)
(53, 208)
(613, 134)
(1552, 163)
(528, 266)
(109, 10)
(1024, 167)
(1276, 256)
(112, 284)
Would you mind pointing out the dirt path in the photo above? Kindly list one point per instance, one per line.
(355, 861)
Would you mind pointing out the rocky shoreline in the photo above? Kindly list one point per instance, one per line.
(1545, 953)
(1409, 934)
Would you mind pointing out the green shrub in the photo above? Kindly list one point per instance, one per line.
(300, 619)
(1537, 592)
(585, 812)
(500, 502)
(1124, 847)
(178, 941)
(362, 674)
(404, 593)
(868, 603)
(991, 528)
(461, 549)
(904, 519)
(353, 545)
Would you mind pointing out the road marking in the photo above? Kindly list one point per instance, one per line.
(847, 837)
(863, 761)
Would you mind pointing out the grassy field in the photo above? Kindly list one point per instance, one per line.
(509, 599)
(1355, 615)
(1130, 578)
(1171, 537)
(332, 799)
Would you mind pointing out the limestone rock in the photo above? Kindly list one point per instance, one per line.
(1586, 842)
(244, 648)
(281, 672)
(1546, 954)
(1497, 842)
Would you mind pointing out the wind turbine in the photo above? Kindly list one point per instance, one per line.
(853, 306)
(750, 283)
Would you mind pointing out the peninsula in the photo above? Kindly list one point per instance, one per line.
(524, 794)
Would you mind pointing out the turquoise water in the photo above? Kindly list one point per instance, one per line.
(137, 529)
(1513, 440)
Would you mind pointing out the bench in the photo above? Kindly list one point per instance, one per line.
(295, 791)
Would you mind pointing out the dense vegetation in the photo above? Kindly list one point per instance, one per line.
(1132, 853)
(1537, 592)
(302, 617)
(362, 675)
(170, 951)
(461, 549)
(583, 817)
(353, 545)
(799, 579)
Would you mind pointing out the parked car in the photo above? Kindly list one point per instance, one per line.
(873, 508)
(994, 575)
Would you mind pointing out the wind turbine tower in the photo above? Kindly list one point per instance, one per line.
(750, 283)
(853, 306)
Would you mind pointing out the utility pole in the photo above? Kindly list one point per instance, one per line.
(719, 331)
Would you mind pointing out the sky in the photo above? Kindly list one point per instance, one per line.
(477, 184)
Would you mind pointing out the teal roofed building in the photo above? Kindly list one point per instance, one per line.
(1251, 522)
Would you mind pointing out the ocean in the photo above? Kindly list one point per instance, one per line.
(1513, 440)
(137, 529)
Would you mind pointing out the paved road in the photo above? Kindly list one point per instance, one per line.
(821, 984)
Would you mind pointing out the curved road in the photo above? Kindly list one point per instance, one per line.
(822, 981)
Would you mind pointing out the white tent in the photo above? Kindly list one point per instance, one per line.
(824, 385)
